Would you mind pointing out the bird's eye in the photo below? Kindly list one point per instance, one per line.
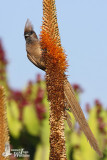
(31, 32)
(28, 34)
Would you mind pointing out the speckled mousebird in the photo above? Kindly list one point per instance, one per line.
(35, 55)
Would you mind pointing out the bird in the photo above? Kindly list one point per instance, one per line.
(35, 55)
(7, 150)
(33, 48)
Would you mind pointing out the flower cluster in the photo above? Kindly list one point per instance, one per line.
(3, 64)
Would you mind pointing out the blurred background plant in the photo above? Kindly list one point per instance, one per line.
(28, 120)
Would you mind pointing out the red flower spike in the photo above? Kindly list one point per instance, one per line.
(2, 54)
(77, 88)
(38, 78)
(88, 108)
(40, 109)
(29, 88)
(40, 95)
(98, 103)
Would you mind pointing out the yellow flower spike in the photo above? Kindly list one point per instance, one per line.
(50, 24)
(4, 136)
(56, 65)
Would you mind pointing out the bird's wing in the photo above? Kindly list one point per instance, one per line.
(79, 116)
(40, 64)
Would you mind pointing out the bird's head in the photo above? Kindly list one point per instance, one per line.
(29, 33)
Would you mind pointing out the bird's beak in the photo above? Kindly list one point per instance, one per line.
(26, 35)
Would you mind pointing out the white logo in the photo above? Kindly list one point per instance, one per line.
(7, 150)
(20, 153)
(16, 152)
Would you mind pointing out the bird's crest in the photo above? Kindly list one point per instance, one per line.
(28, 26)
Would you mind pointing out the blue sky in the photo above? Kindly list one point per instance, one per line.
(83, 30)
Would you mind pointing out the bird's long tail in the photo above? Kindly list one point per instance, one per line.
(75, 108)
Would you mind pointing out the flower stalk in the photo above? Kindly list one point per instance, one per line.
(4, 136)
(55, 61)
(3, 64)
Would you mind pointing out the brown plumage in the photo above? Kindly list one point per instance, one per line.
(35, 55)
(75, 108)
(33, 47)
